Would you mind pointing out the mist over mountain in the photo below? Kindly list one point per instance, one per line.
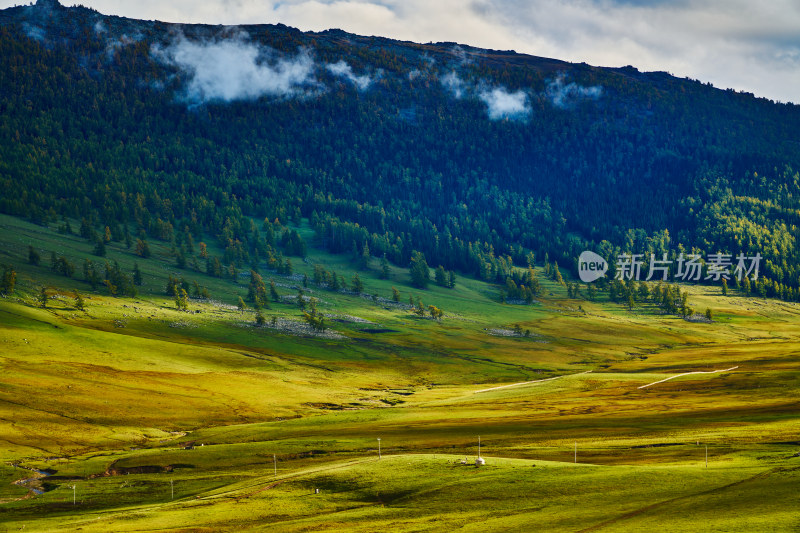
(473, 157)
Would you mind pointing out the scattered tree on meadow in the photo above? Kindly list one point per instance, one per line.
(357, 284)
(142, 248)
(79, 303)
(181, 299)
(273, 291)
(137, 275)
(33, 256)
(418, 269)
(9, 281)
(385, 271)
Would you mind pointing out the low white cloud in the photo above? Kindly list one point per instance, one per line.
(502, 104)
(235, 69)
(565, 95)
(343, 70)
(454, 84)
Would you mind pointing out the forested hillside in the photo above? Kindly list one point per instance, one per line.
(476, 158)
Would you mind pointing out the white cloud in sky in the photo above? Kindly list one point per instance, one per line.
(344, 70)
(235, 69)
(502, 104)
(746, 45)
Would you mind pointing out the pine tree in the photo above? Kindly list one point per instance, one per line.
(99, 249)
(395, 295)
(451, 279)
(385, 271)
(79, 303)
(418, 269)
(142, 248)
(9, 281)
(709, 314)
(591, 292)
(137, 275)
(260, 320)
(43, 297)
(33, 256)
(357, 284)
(440, 276)
(557, 274)
(724, 287)
(365, 258)
(273, 291)
(181, 299)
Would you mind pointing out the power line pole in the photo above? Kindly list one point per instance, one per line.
(275, 464)
(576, 452)
(171, 489)
(379, 447)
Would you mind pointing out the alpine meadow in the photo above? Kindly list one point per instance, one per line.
(255, 278)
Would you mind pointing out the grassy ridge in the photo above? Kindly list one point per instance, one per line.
(110, 397)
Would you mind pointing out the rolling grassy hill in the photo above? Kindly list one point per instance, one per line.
(131, 399)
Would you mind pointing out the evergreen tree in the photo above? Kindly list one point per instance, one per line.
(181, 299)
(591, 292)
(709, 314)
(142, 248)
(395, 295)
(79, 303)
(33, 256)
(99, 249)
(9, 281)
(557, 274)
(357, 284)
(137, 275)
(440, 276)
(364, 260)
(273, 291)
(451, 279)
(43, 297)
(418, 269)
(385, 271)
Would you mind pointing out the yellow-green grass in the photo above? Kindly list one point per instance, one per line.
(437, 492)
(123, 387)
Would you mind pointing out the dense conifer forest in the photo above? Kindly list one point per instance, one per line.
(473, 160)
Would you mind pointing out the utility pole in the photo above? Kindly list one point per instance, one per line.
(171, 489)
(275, 464)
(73, 494)
(706, 455)
(379, 447)
(576, 452)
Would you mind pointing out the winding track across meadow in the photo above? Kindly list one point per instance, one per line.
(688, 374)
(529, 382)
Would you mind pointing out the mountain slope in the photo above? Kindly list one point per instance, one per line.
(464, 154)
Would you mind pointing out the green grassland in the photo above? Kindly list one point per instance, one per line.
(131, 399)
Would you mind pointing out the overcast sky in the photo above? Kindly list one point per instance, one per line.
(748, 45)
